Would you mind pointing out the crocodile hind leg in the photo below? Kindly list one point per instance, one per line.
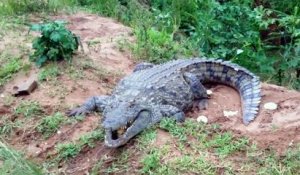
(199, 91)
(92, 104)
(142, 66)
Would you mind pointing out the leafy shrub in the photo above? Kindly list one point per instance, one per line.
(55, 43)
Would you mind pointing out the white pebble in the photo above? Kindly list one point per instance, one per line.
(270, 106)
(2, 96)
(230, 113)
(202, 119)
(209, 92)
(58, 132)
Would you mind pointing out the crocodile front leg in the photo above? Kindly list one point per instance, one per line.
(92, 104)
(173, 112)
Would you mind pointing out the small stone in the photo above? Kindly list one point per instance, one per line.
(291, 143)
(202, 119)
(25, 87)
(58, 132)
(2, 95)
(209, 92)
(230, 113)
(270, 106)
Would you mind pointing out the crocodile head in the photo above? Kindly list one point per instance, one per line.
(123, 122)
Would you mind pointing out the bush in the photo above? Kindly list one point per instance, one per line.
(55, 43)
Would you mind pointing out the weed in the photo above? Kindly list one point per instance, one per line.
(49, 72)
(56, 43)
(12, 66)
(29, 109)
(91, 137)
(146, 137)
(171, 126)
(8, 7)
(225, 144)
(120, 165)
(192, 165)
(8, 100)
(75, 72)
(7, 125)
(50, 124)
(151, 161)
(67, 150)
(13, 162)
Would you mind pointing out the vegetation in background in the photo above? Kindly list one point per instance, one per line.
(56, 43)
(260, 35)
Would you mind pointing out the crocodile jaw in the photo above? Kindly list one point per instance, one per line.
(142, 121)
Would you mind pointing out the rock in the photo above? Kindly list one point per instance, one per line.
(202, 119)
(270, 106)
(209, 92)
(230, 113)
(25, 87)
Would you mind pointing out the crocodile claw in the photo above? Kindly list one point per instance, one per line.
(76, 112)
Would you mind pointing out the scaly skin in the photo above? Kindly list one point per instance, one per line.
(152, 92)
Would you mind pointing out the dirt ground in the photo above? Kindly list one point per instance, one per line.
(102, 40)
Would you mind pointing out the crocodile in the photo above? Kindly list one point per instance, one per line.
(152, 92)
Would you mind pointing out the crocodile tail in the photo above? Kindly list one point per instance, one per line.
(237, 77)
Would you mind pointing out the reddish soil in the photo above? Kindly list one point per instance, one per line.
(277, 129)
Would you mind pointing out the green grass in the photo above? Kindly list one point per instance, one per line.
(90, 138)
(29, 109)
(12, 162)
(151, 161)
(50, 124)
(12, 66)
(72, 149)
(49, 72)
(225, 144)
(7, 125)
(146, 137)
(8, 7)
(67, 150)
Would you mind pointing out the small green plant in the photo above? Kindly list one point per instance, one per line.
(226, 144)
(29, 109)
(91, 137)
(48, 73)
(171, 126)
(147, 137)
(151, 161)
(67, 150)
(7, 125)
(56, 43)
(50, 124)
(8, 69)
